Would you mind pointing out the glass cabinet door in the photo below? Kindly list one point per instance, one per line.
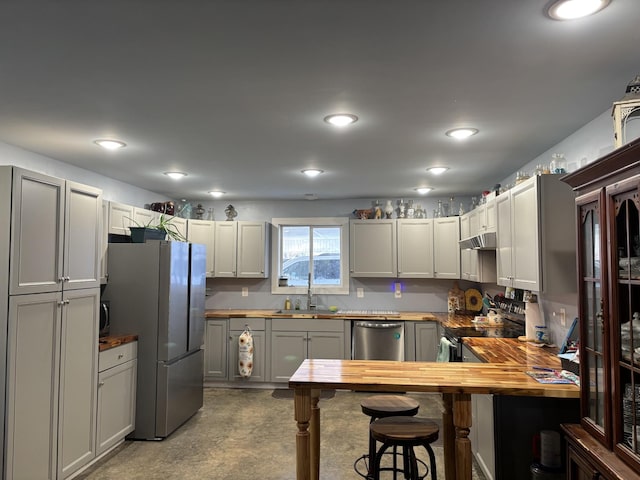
(593, 324)
(623, 203)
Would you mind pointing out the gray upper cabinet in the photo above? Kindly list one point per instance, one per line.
(373, 251)
(82, 236)
(120, 218)
(56, 234)
(415, 248)
(240, 249)
(37, 235)
(446, 235)
(536, 236)
(203, 231)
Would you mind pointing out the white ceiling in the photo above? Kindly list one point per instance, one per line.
(233, 92)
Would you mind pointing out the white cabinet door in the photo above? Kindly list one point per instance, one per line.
(258, 374)
(203, 232)
(181, 226)
(78, 378)
(489, 218)
(33, 356)
(83, 236)
(483, 418)
(215, 349)
(120, 218)
(373, 251)
(415, 248)
(466, 255)
(426, 341)
(475, 221)
(446, 249)
(525, 245)
(37, 233)
(504, 240)
(104, 245)
(143, 217)
(116, 404)
(225, 249)
(251, 250)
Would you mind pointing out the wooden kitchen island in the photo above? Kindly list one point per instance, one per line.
(456, 381)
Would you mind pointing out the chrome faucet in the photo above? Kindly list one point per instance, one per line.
(310, 304)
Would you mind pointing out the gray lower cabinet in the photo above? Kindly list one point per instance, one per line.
(295, 339)
(52, 367)
(257, 326)
(215, 351)
(116, 395)
(426, 334)
(482, 428)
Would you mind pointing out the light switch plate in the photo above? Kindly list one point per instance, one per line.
(245, 291)
(398, 290)
(360, 292)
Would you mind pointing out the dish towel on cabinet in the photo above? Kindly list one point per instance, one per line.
(444, 350)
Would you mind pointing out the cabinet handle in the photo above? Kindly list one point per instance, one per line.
(120, 355)
(60, 279)
(61, 303)
(66, 302)
(100, 384)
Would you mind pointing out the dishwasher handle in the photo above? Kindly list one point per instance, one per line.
(378, 324)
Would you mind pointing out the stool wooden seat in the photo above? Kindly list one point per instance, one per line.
(381, 406)
(406, 432)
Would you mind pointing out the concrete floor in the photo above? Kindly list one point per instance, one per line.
(250, 434)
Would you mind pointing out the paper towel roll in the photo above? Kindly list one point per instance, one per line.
(550, 456)
(532, 319)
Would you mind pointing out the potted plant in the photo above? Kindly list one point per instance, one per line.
(159, 231)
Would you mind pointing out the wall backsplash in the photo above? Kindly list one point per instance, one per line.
(424, 295)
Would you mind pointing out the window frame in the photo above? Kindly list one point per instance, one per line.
(313, 222)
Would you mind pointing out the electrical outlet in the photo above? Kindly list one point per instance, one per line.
(398, 290)
(360, 292)
(563, 317)
(245, 291)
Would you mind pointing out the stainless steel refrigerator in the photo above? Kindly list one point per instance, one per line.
(157, 291)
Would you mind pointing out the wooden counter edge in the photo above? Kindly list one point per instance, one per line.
(603, 459)
(106, 343)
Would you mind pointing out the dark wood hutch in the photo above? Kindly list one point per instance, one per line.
(606, 444)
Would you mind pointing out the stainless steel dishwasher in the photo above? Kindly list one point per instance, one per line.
(377, 340)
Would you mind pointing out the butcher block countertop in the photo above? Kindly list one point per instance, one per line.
(321, 314)
(453, 377)
(105, 343)
(513, 351)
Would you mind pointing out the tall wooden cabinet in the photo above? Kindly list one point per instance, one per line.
(49, 293)
(608, 226)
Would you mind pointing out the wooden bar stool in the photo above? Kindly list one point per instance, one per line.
(405, 432)
(381, 406)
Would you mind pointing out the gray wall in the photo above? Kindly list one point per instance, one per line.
(584, 146)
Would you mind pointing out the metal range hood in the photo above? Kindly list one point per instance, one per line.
(483, 241)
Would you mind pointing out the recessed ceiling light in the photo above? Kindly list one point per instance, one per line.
(423, 190)
(341, 119)
(572, 9)
(175, 175)
(312, 172)
(216, 193)
(109, 144)
(437, 170)
(461, 133)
